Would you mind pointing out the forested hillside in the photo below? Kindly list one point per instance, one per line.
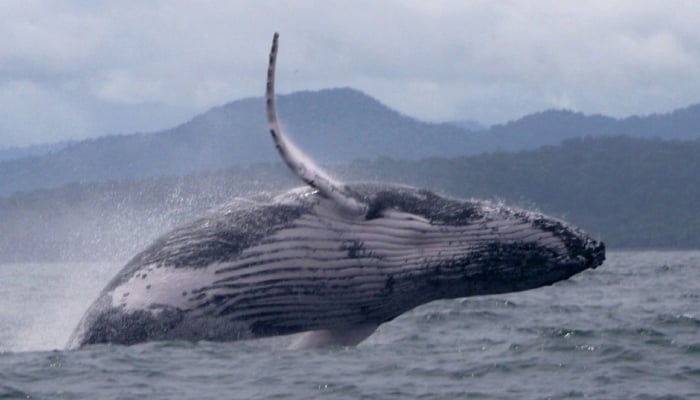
(628, 192)
(633, 192)
(333, 126)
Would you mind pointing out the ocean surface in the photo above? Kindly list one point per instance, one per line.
(628, 330)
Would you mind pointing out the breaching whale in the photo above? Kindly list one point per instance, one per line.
(331, 260)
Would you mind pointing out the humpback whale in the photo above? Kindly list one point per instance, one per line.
(330, 260)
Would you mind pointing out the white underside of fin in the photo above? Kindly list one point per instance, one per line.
(296, 160)
(348, 336)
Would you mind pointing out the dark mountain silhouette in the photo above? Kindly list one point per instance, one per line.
(334, 126)
(553, 126)
(630, 192)
(14, 152)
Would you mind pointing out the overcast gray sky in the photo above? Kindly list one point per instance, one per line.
(76, 69)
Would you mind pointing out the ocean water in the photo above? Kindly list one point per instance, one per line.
(628, 330)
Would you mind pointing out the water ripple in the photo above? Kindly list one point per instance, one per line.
(626, 330)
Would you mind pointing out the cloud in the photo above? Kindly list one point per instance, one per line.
(45, 44)
(36, 114)
(484, 60)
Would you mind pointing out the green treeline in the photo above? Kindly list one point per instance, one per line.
(631, 193)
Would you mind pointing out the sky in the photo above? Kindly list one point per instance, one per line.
(80, 69)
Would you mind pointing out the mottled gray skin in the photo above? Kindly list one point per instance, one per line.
(331, 259)
(331, 272)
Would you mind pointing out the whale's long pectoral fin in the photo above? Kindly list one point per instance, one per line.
(296, 160)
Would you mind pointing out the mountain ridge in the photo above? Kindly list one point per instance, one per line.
(630, 192)
(333, 126)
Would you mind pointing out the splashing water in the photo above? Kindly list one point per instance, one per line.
(42, 303)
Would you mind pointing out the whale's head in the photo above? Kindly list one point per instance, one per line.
(431, 246)
(459, 248)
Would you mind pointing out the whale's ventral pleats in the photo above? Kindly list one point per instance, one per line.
(330, 260)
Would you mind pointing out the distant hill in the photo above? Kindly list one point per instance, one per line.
(553, 126)
(334, 126)
(13, 153)
(468, 125)
(631, 193)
